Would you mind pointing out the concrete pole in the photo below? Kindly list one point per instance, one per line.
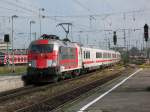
(31, 22)
(12, 42)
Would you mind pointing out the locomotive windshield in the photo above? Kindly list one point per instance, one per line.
(42, 48)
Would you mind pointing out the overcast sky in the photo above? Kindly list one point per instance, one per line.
(105, 15)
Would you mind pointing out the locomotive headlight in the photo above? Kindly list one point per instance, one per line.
(54, 63)
(51, 63)
(29, 64)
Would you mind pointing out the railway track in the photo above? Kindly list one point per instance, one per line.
(4, 96)
(13, 93)
(51, 104)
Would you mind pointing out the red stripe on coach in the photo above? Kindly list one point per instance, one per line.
(88, 62)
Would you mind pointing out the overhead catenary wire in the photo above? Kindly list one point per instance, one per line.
(15, 10)
(82, 5)
(29, 4)
(19, 6)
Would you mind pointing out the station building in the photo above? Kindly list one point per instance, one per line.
(3, 45)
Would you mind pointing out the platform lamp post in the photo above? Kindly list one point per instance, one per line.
(40, 17)
(31, 22)
(12, 42)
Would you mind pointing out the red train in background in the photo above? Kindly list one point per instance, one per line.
(20, 57)
(51, 59)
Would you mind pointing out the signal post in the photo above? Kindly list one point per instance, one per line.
(146, 36)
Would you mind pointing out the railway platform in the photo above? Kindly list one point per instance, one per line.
(127, 93)
(10, 82)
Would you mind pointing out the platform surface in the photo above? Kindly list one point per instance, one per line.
(133, 95)
(10, 82)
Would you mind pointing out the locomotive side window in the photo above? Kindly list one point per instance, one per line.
(63, 53)
(67, 53)
(72, 53)
(42, 48)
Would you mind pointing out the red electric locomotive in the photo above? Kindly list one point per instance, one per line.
(49, 59)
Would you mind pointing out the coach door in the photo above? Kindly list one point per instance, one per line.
(80, 57)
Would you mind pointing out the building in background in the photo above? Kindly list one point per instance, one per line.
(3, 45)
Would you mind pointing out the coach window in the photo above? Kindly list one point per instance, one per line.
(105, 55)
(96, 55)
(10, 58)
(87, 55)
(100, 55)
(21, 58)
(109, 55)
(112, 55)
(15, 59)
(24, 58)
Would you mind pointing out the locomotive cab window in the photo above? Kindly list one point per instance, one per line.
(41, 48)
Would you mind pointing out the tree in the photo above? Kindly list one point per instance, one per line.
(134, 51)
